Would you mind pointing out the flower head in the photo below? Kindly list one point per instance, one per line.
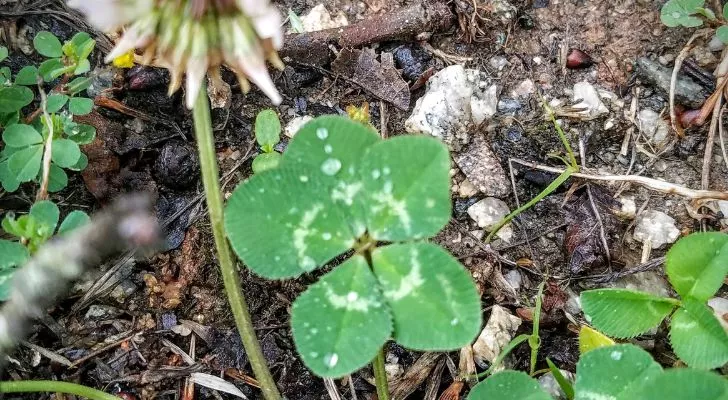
(195, 36)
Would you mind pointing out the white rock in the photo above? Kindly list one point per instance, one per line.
(295, 124)
(723, 206)
(551, 386)
(629, 207)
(514, 278)
(319, 19)
(393, 370)
(467, 189)
(498, 332)
(653, 127)
(488, 212)
(456, 100)
(498, 62)
(720, 309)
(716, 44)
(523, 89)
(649, 281)
(657, 227)
(589, 100)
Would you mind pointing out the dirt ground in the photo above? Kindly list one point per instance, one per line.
(118, 325)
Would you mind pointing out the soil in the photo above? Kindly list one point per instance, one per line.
(120, 334)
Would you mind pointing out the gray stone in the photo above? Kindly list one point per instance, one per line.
(687, 91)
(551, 386)
(483, 169)
(488, 212)
(498, 332)
(654, 128)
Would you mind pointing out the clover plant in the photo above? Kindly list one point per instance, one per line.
(691, 13)
(25, 136)
(31, 230)
(341, 193)
(619, 372)
(267, 134)
(696, 267)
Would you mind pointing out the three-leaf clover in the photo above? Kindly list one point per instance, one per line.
(340, 187)
(682, 12)
(696, 267)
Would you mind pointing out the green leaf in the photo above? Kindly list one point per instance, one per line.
(47, 68)
(615, 372)
(434, 302)
(47, 44)
(564, 383)
(340, 322)
(266, 161)
(508, 385)
(722, 34)
(55, 102)
(267, 129)
(688, 384)
(12, 254)
(80, 133)
(57, 179)
(79, 40)
(46, 213)
(8, 179)
(280, 238)
(25, 163)
(80, 106)
(5, 75)
(82, 67)
(333, 146)
(697, 337)
(705, 12)
(28, 75)
(78, 85)
(725, 11)
(590, 339)
(406, 188)
(21, 135)
(81, 164)
(680, 12)
(9, 119)
(3, 53)
(13, 98)
(296, 23)
(65, 152)
(85, 49)
(6, 283)
(697, 264)
(624, 313)
(73, 220)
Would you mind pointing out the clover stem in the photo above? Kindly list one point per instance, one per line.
(55, 386)
(380, 376)
(231, 280)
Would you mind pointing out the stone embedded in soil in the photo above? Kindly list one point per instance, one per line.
(549, 384)
(654, 128)
(656, 227)
(589, 100)
(413, 60)
(177, 165)
(295, 124)
(719, 306)
(319, 19)
(456, 101)
(488, 212)
(501, 10)
(483, 169)
(652, 282)
(687, 91)
(498, 332)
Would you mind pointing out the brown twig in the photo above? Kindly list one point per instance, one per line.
(127, 223)
(720, 71)
(48, 147)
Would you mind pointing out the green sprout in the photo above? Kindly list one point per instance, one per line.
(267, 134)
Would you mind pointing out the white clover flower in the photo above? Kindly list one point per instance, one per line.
(195, 37)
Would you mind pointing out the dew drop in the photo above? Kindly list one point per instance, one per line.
(322, 133)
(331, 166)
(314, 331)
(303, 178)
(314, 354)
(328, 149)
(331, 360)
(352, 296)
(386, 170)
(387, 187)
(308, 263)
(454, 321)
(261, 190)
(676, 15)
(326, 236)
(616, 355)
(376, 174)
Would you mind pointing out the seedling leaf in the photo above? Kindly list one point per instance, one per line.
(27, 75)
(55, 102)
(266, 161)
(697, 337)
(509, 385)
(590, 339)
(46, 213)
(13, 98)
(8, 179)
(681, 12)
(47, 68)
(267, 129)
(80, 105)
(279, 238)
(3, 53)
(624, 313)
(73, 220)
(5, 283)
(722, 33)
(334, 146)
(57, 179)
(21, 135)
(697, 264)
(434, 302)
(11, 254)
(25, 163)
(47, 44)
(407, 188)
(686, 383)
(65, 152)
(614, 372)
(340, 322)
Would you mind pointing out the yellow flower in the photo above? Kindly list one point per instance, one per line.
(195, 37)
(125, 60)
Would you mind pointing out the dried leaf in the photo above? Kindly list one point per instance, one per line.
(215, 383)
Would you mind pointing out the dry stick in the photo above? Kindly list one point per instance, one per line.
(676, 69)
(127, 223)
(720, 136)
(720, 71)
(649, 183)
(47, 152)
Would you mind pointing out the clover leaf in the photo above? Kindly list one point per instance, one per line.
(681, 12)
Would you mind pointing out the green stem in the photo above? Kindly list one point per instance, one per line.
(55, 386)
(535, 340)
(213, 195)
(380, 376)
